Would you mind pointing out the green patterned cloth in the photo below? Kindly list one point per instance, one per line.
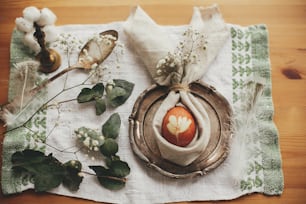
(254, 162)
(250, 59)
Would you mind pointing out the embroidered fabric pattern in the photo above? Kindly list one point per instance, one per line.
(263, 172)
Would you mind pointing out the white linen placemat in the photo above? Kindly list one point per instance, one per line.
(240, 72)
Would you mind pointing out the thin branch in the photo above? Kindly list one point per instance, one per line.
(61, 102)
(61, 150)
(23, 88)
(45, 83)
(109, 177)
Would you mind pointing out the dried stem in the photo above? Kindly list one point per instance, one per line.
(109, 177)
(44, 105)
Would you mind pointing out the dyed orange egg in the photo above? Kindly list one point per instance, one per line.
(178, 126)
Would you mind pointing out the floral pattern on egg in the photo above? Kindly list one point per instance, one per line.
(179, 126)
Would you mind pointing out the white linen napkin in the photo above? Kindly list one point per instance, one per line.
(175, 62)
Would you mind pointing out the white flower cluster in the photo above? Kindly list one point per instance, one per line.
(68, 43)
(44, 18)
(97, 72)
(187, 52)
(170, 63)
(90, 138)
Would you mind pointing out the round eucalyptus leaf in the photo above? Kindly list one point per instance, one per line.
(120, 168)
(107, 179)
(98, 90)
(116, 96)
(111, 127)
(85, 95)
(100, 106)
(109, 148)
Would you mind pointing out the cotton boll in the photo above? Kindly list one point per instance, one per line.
(24, 25)
(51, 33)
(47, 17)
(31, 13)
(30, 41)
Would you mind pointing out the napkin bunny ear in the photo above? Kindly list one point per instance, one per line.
(154, 45)
(207, 21)
(150, 41)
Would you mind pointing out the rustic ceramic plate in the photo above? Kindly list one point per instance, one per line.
(144, 144)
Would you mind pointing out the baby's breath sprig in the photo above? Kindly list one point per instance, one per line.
(102, 72)
(69, 44)
(187, 52)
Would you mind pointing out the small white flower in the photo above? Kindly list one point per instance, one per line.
(159, 72)
(95, 142)
(86, 142)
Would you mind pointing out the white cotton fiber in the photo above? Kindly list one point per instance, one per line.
(47, 17)
(31, 13)
(24, 25)
(51, 33)
(30, 41)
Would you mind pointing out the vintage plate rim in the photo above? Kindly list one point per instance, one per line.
(225, 135)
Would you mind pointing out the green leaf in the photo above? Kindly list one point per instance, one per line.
(85, 95)
(116, 96)
(72, 178)
(100, 106)
(120, 168)
(47, 171)
(48, 176)
(109, 160)
(88, 94)
(27, 159)
(120, 93)
(111, 127)
(107, 179)
(109, 148)
(98, 90)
